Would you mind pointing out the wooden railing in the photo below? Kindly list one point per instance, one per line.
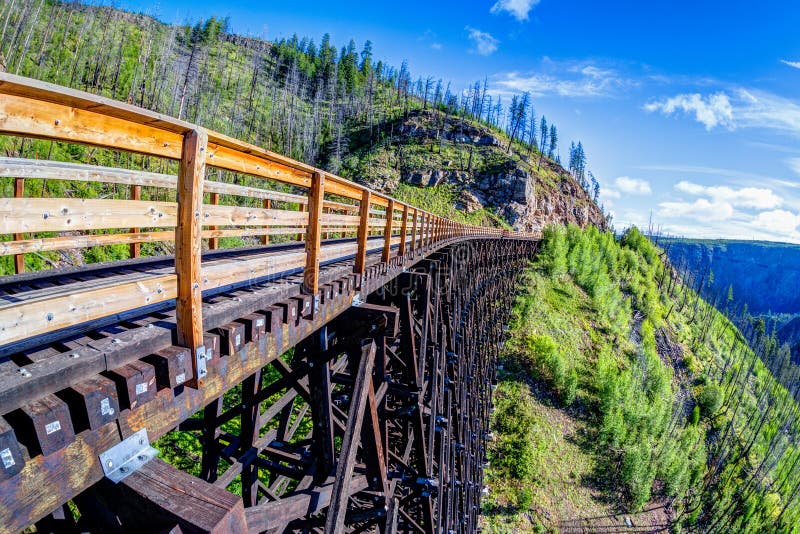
(327, 206)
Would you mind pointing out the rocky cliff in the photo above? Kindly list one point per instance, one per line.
(428, 149)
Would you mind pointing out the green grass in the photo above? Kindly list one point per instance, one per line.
(583, 365)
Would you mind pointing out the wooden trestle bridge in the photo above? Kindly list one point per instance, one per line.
(376, 421)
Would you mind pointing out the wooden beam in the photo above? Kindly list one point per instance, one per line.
(387, 233)
(188, 247)
(340, 495)
(313, 238)
(159, 495)
(363, 233)
(276, 515)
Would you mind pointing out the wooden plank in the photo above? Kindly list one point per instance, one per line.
(60, 170)
(88, 240)
(387, 233)
(244, 215)
(189, 246)
(21, 321)
(313, 238)
(67, 214)
(19, 259)
(363, 233)
(18, 85)
(340, 494)
(35, 118)
(158, 494)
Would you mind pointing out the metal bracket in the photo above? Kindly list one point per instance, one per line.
(356, 302)
(200, 359)
(127, 456)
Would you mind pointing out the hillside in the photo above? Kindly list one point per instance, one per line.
(337, 108)
(763, 275)
(627, 403)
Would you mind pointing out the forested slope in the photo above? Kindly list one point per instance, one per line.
(338, 108)
(626, 401)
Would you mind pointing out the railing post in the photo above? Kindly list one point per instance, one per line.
(403, 232)
(363, 233)
(387, 233)
(188, 249)
(267, 205)
(135, 248)
(414, 232)
(213, 242)
(302, 207)
(316, 195)
(19, 259)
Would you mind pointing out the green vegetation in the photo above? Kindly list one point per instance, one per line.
(670, 400)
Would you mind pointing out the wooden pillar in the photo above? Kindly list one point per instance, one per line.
(403, 233)
(213, 242)
(135, 248)
(19, 259)
(414, 232)
(387, 233)
(267, 205)
(316, 194)
(301, 208)
(340, 493)
(363, 233)
(188, 248)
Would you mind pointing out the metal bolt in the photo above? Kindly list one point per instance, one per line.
(141, 458)
(57, 122)
(109, 464)
(74, 355)
(50, 316)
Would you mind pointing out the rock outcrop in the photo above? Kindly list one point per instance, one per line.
(528, 194)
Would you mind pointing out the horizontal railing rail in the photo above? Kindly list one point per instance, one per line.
(181, 210)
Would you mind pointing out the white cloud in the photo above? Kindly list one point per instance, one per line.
(780, 222)
(743, 108)
(566, 80)
(745, 197)
(609, 193)
(711, 111)
(794, 164)
(793, 64)
(701, 210)
(483, 43)
(633, 186)
(519, 9)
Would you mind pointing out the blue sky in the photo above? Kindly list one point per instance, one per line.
(689, 111)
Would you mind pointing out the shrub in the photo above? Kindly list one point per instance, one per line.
(524, 498)
(695, 415)
(710, 400)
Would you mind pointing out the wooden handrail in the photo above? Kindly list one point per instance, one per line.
(35, 109)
